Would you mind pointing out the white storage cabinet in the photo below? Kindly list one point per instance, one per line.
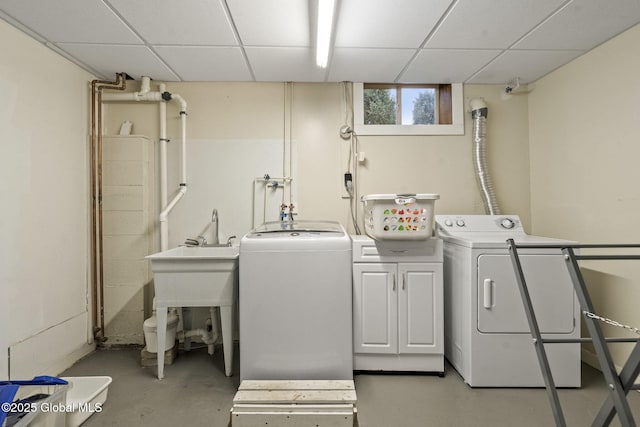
(398, 305)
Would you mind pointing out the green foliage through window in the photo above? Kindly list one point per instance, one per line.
(400, 104)
(424, 108)
(379, 107)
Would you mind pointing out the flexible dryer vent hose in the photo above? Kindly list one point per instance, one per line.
(479, 112)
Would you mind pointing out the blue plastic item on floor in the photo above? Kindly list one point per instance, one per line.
(8, 390)
(40, 380)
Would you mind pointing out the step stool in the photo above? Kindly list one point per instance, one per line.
(286, 403)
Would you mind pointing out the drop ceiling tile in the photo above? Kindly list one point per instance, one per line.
(446, 66)
(368, 65)
(271, 23)
(583, 25)
(137, 61)
(187, 23)
(374, 39)
(490, 24)
(73, 21)
(528, 65)
(204, 63)
(295, 64)
(387, 24)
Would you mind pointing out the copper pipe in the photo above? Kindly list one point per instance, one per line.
(94, 278)
(97, 264)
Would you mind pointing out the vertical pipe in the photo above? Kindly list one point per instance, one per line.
(94, 271)
(183, 119)
(286, 112)
(164, 226)
(163, 149)
(97, 267)
(99, 247)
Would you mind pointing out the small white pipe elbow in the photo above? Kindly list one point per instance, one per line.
(180, 100)
(167, 210)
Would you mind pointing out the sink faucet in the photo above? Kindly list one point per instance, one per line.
(214, 220)
(201, 240)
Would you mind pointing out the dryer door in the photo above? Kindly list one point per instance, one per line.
(499, 305)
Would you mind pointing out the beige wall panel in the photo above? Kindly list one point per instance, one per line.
(44, 254)
(584, 173)
(122, 198)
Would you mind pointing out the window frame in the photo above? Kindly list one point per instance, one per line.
(455, 128)
(398, 88)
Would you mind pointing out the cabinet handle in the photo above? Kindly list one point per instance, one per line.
(393, 275)
(404, 280)
(488, 293)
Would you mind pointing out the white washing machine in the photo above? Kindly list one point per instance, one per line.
(295, 302)
(487, 337)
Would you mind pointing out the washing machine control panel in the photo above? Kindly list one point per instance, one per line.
(452, 224)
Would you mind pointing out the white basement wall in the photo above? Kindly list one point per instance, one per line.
(228, 123)
(128, 189)
(585, 146)
(44, 221)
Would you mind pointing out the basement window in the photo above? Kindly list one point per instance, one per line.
(408, 109)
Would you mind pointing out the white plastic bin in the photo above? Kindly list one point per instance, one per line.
(86, 397)
(399, 216)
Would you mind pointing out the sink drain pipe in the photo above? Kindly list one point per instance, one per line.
(162, 97)
(479, 112)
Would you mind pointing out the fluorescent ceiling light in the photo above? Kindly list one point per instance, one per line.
(323, 37)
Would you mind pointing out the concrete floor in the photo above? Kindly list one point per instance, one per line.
(195, 392)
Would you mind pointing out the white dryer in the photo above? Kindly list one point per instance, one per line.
(487, 337)
(295, 302)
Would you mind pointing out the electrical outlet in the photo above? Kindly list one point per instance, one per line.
(347, 177)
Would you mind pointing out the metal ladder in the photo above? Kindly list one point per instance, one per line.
(618, 385)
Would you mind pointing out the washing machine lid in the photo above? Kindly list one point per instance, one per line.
(299, 226)
(296, 236)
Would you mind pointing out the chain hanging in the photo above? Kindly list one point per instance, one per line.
(611, 322)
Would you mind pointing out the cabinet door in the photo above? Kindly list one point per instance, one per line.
(375, 308)
(420, 313)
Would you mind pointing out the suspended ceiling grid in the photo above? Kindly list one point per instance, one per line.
(404, 41)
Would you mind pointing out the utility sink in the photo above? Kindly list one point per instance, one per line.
(187, 276)
(196, 277)
(213, 252)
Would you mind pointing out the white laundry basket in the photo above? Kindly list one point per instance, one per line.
(399, 216)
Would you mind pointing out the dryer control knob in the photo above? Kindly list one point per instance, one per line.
(448, 222)
(460, 223)
(507, 223)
